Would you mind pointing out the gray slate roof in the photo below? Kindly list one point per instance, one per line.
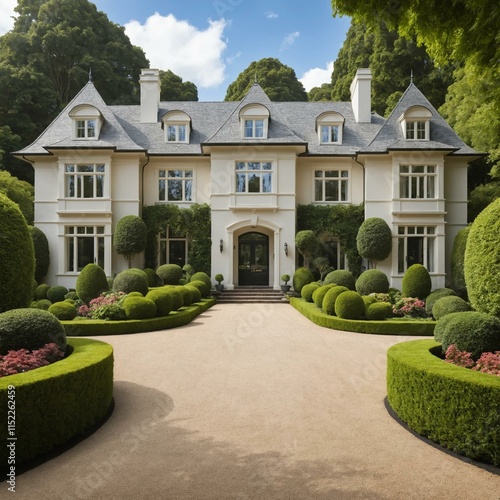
(218, 123)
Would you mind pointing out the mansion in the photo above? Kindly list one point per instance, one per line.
(253, 162)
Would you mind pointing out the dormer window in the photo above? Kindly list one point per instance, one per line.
(87, 122)
(254, 121)
(415, 123)
(177, 125)
(329, 126)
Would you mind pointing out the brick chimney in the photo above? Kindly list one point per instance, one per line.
(361, 98)
(150, 95)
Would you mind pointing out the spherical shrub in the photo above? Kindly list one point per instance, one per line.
(170, 274)
(91, 282)
(71, 295)
(139, 308)
(202, 287)
(417, 282)
(63, 310)
(434, 296)
(474, 332)
(302, 277)
(188, 271)
(43, 304)
(369, 300)
(372, 281)
(441, 326)
(200, 276)
(307, 291)
(187, 297)
(41, 291)
(482, 255)
(42, 253)
(163, 300)
(330, 298)
(29, 329)
(131, 281)
(341, 278)
(378, 311)
(17, 257)
(56, 293)
(177, 299)
(447, 305)
(135, 294)
(195, 293)
(153, 278)
(349, 305)
(374, 239)
(319, 294)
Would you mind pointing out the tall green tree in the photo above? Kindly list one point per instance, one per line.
(174, 89)
(323, 93)
(130, 237)
(277, 80)
(20, 192)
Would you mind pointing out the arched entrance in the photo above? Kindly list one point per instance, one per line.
(253, 259)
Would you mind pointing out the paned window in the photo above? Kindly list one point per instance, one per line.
(176, 133)
(175, 185)
(84, 181)
(84, 245)
(172, 247)
(416, 130)
(417, 181)
(86, 129)
(330, 134)
(254, 129)
(416, 245)
(254, 176)
(331, 185)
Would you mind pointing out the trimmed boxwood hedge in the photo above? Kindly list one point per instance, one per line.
(59, 401)
(452, 406)
(94, 327)
(392, 327)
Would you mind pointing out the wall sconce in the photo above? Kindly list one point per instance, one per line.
(285, 247)
(221, 245)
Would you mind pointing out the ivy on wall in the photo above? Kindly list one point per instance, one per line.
(195, 222)
(341, 221)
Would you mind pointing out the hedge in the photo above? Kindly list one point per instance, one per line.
(452, 406)
(392, 327)
(93, 327)
(60, 401)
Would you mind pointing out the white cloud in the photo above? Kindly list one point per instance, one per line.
(191, 53)
(315, 77)
(289, 40)
(271, 15)
(6, 13)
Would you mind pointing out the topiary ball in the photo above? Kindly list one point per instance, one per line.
(195, 293)
(416, 282)
(341, 278)
(41, 291)
(163, 300)
(170, 274)
(330, 298)
(434, 296)
(29, 329)
(187, 297)
(131, 281)
(449, 304)
(319, 294)
(372, 281)
(202, 287)
(200, 276)
(56, 293)
(302, 277)
(307, 291)
(91, 282)
(368, 300)
(139, 308)
(378, 311)
(153, 279)
(43, 304)
(63, 310)
(441, 326)
(473, 332)
(177, 299)
(349, 305)
(135, 294)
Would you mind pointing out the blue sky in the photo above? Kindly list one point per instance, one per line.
(211, 42)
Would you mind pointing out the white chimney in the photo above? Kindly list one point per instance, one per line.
(361, 95)
(150, 95)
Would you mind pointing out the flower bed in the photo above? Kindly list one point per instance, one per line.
(453, 406)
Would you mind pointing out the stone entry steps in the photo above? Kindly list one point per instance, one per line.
(251, 294)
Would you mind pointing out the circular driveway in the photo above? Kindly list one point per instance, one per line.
(253, 402)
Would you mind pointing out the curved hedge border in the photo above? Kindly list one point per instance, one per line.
(93, 327)
(393, 327)
(59, 401)
(452, 406)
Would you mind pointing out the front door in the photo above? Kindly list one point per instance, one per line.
(253, 259)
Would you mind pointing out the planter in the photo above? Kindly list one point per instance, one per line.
(285, 288)
(219, 288)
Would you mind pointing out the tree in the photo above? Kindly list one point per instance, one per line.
(174, 89)
(277, 80)
(21, 192)
(309, 246)
(323, 93)
(374, 240)
(130, 237)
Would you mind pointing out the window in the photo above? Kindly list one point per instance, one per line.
(84, 245)
(416, 131)
(84, 181)
(416, 122)
(330, 134)
(329, 126)
(254, 129)
(176, 133)
(417, 181)
(331, 185)
(175, 185)
(416, 245)
(172, 248)
(254, 176)
(254, 121)
(85, 129)
(87, 122)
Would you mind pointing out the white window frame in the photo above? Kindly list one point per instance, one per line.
(245, 169)
(164, 178)
(79, 179)
(164, 239)
(330, 127)
(72, 235)
(339, 179)
(418, 184)
(417, 130)
(177, 132)
(428, 236)
(254, 122)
